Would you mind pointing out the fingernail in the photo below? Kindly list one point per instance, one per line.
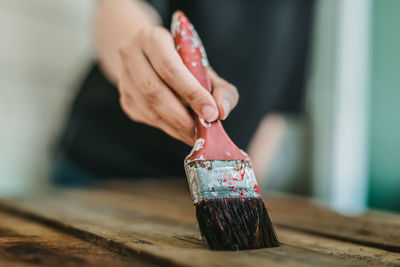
(227, 107)
(209, 113)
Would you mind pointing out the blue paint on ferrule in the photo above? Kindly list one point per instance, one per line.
(212, 179)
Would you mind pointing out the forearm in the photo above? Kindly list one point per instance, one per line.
(117, 21)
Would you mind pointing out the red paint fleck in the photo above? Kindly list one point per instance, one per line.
(256, 189)
(241, 194)
(224, 180)
(241, 176)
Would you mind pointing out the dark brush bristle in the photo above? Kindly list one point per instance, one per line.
(236, 224)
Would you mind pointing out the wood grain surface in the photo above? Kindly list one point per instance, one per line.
(153, 221)
(27, 243)
(376, 229)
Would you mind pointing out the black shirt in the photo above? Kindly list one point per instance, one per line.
(260, 46)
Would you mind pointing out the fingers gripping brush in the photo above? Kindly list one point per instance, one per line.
(229, 208)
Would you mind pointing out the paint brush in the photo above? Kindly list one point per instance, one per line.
(229, 208)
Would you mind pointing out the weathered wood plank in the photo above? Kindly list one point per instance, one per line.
(377, 229)
(345, 250)
(181, 209)
(168, 241)
(27, 243)
(164, 227)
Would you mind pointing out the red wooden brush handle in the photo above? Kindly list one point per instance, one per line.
(212, 141)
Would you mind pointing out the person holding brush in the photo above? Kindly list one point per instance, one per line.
(132, 115)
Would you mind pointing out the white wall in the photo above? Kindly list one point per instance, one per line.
(338, 103)
(45, 48)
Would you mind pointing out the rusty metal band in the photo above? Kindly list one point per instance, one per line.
(212, 179)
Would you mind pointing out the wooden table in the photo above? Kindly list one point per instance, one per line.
(152, 222)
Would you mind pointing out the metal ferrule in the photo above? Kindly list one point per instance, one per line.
(211, 179)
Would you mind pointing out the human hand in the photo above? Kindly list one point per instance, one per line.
(156, 87)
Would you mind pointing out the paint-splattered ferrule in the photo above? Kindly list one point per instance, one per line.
(212, 179)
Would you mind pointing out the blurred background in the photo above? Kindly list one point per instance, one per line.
(345, 150)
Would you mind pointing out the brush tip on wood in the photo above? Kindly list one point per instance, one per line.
(236, 224)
